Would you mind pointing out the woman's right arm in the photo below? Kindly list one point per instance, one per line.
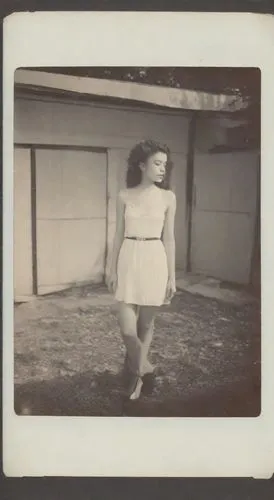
(118, 240)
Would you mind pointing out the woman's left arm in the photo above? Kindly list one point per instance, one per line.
(169, 243)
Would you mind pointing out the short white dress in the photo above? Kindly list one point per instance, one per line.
(142, 264)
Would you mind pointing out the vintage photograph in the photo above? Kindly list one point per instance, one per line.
(137, 283)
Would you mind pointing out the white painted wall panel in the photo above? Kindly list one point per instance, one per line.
(240, 247)
(70, 251)
(210, 239)
(64, 123)
(71, 217)
(210, 132)
(178, 184)
(48, 253)
(117, 164)
(49, 184)
(73, 181)
(224, 215)
(244, 175)
(121, 158)
(212, 183)
(82, 247)
(226, 181)
(225, 245)
(22, 224)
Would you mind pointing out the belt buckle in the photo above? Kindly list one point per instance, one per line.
(141, 239)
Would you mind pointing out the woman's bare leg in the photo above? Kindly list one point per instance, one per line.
(145, 330)
(127, 316)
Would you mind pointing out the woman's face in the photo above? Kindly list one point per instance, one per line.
(154, 168)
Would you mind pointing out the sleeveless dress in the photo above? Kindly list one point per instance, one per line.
(142, 265)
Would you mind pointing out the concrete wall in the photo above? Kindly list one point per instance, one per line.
(50, 122)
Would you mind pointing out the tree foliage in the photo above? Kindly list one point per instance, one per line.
(244, 81)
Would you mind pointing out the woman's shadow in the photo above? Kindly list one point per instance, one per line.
(85, 394)
(102, 395)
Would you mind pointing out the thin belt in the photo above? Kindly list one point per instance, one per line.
(140, 239)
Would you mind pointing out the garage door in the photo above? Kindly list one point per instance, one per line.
(71, 209)
(224, 215)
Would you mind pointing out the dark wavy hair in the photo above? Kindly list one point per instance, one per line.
(140, 154)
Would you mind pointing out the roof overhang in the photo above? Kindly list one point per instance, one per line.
(168, 97)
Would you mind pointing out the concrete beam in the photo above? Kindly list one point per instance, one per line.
(162, 96)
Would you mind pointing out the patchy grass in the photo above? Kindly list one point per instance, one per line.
(69, 356)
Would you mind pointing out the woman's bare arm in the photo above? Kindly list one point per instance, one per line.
(119, 232)
(168, 235)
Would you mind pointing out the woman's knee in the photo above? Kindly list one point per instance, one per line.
(128, 333)
(127, 319)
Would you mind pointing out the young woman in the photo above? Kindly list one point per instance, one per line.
(142, 275)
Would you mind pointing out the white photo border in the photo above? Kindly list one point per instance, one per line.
(167, 447)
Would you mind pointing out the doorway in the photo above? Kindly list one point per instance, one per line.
(66, 218)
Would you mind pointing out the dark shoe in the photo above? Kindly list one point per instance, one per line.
(126, 369)
(149, 380)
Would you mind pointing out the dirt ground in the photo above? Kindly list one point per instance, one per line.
(69, 355)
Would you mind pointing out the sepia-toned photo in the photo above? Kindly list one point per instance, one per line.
(137, 241)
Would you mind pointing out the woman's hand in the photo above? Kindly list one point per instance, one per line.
(112, 282)
(170, 289)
